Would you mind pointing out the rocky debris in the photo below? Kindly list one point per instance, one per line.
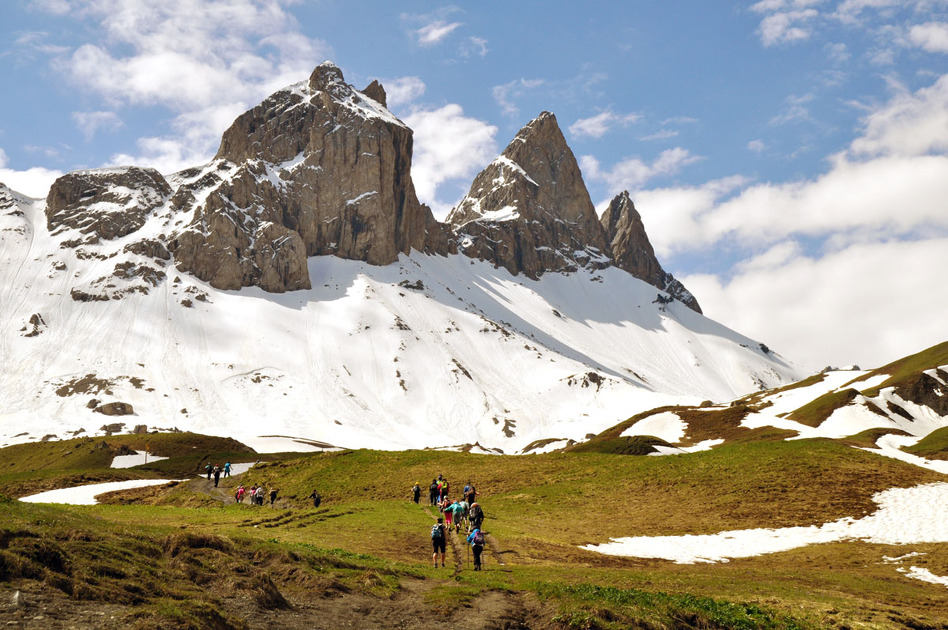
(317, 168)
(632, 251)
(529, 210)
(35, 326)
(115, 409)
(105, 203)
(140, 429)
(109, 429)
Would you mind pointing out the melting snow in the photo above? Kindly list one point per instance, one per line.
(905, 516)
(86, 495)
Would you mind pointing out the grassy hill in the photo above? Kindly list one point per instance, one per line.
(188, 556)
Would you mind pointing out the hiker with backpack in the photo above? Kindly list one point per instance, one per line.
(476, 516)
(476, 540)
(454, 513)
(433, 492)
(416, 493)
(316, 498)
(439, 541)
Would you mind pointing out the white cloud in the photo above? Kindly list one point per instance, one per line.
(403, 90)
(599, 125)
(869, 303)
(931, 36)
(632, 173)
(910, 124)
(90, 123)
(435, 32)
(757, 146)
(505, 94)
(188, 57)
(786, 27)
(33, 182)
(845, 267)
(449, 147)
(474, 47)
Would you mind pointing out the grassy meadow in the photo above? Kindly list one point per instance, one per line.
(188, 556)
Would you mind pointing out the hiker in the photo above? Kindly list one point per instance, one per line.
(476, 516)
(448, 511)
(227, 469)
(259, 495)
(433, 492)
(415, 493)
(239, 495)
(208, 470)
(316, 499)
(476, 540)
(439, 541)
(470, 493)
(273, 496)
(444, 488)
(217, 475)
(455, 512)
(465, 511)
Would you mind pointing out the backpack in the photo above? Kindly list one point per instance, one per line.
(437, 531)
(478, 537)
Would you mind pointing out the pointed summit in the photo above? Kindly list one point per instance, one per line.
(317, 168)
(633, 252)
(529, 210)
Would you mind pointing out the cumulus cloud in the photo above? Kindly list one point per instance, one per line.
(403, 90)
(449, 148)
(188, 57)
(931, 36)
(33, 182)
(786, 27)
(849, 306)
(827, 263)
(632, 173)
(599, 125)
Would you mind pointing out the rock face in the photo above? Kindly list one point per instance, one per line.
(632, 251)
(104, 203)
(529, 210)
(317, 168)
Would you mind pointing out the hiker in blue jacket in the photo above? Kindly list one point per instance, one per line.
(476, 540)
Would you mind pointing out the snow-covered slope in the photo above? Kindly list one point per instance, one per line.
(430, 351)
(886, 410)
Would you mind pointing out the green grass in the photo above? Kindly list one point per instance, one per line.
(368, 538)
(908, 367)
(814, 413)
(932, 446)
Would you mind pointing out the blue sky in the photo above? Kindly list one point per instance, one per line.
(788, 156)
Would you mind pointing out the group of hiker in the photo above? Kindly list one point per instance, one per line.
(216, 470)
(453, 515)
(255, 495)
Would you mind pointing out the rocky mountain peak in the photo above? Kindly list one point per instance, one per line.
(632, 251)
(529, 210)
(317, 168)
(376, 92)
(104, 203)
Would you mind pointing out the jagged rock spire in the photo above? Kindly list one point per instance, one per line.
(632, 251)
(529, 210)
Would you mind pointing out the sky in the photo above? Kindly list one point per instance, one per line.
(789, 157)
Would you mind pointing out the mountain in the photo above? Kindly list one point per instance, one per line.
(295, 286)
(899, 410)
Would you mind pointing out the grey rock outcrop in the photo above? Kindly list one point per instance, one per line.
(104, 203)
(632, 251)
(529, 210)
(317, 168)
